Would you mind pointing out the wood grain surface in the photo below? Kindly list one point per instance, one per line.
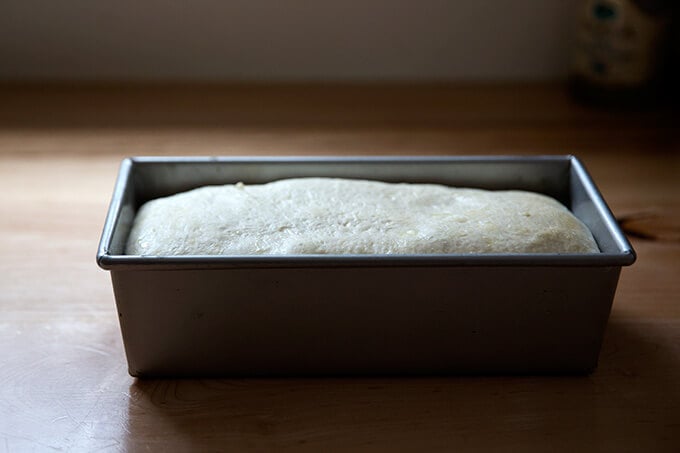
(63, 379)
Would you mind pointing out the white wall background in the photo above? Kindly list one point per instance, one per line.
(285, 39)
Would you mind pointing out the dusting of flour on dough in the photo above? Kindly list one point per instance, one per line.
(343, 216)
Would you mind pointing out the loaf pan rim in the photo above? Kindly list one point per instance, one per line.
(625, 257)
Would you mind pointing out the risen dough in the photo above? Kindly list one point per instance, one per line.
(342, 216)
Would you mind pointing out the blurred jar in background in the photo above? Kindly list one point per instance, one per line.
(622, 51)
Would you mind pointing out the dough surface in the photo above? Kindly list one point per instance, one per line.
(343, 216)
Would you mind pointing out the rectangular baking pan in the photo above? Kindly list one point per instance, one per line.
(363, 314)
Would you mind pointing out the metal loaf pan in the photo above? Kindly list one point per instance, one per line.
(370, 314)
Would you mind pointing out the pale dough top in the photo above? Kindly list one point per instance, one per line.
(343, 216)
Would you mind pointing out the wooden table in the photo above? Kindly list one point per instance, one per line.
(63, 380)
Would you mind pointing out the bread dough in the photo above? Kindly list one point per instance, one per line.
(344, 216)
